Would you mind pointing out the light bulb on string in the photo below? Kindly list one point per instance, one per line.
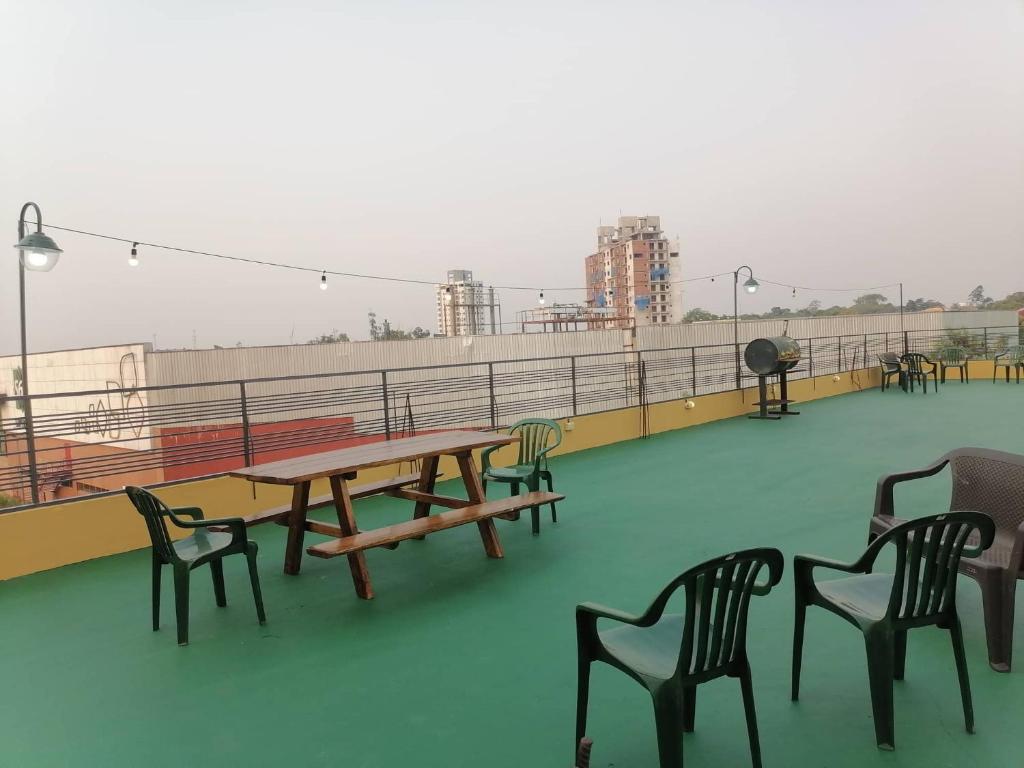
(540, 299)
(133, 260)
(794, 292)
(323, 281)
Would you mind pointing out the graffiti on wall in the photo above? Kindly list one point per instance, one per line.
(120, 413)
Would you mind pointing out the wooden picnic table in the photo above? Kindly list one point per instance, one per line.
(342, 466)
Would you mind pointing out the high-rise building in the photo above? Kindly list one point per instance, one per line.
(632, 273)
(464, 306)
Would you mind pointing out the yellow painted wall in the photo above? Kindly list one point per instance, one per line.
(47, 537)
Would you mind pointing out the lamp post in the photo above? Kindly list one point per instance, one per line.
(750, 286)
(38, 253)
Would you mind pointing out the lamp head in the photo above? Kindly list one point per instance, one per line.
(39, 252)
(751, 285)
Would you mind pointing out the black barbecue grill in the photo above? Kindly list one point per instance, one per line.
(774, 356)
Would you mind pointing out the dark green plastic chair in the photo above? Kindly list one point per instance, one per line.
(891, 366)
(670, 655)
(184, 555)
(885, 606)
(919, 368)
(1011, 358)
(955, 357)
(532, 465)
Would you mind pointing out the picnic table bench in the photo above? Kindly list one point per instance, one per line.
(341, 466)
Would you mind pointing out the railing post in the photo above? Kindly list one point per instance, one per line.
(494, 404)
(387, 409)
(810, 358)
(839, 354)
(572, 373)
(693, 372)
(739, 383)
(906, 342)
(864, 362)
(246, 430)
(986, 341)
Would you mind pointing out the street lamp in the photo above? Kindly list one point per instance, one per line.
(38, 253)
(750, 286)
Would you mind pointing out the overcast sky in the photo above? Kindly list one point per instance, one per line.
(823, 143)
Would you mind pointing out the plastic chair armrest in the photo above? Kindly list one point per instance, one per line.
(593, 611)
(235, 524)
(884, 489)
(194, 512)
(485, 457)
(1017, 553)
(806, 563)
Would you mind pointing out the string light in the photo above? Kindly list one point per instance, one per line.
(540, 299)
(133, 261)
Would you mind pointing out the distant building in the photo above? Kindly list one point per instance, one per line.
(465, 307)
(632, 273)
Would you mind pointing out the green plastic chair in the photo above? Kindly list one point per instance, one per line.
(532, 465)
(885, 606)
(184, 555)
(955, 357)
(891, 366)
(919, 368)
(671, 654)
(1011, 358)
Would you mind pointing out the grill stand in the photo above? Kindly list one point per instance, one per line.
(763, 403)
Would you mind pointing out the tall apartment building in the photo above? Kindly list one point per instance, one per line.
(632, 271)
(464, 306)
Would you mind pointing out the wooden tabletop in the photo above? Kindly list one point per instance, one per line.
(346, 460)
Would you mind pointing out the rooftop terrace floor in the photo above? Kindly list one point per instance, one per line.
(461, 660)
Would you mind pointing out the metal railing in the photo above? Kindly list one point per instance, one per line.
(94, 440)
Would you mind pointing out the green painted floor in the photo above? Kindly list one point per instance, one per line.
(465, 661)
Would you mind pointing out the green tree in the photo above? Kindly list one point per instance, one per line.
(698, 315)
(977, 297)
(383, 331)
(1013, 301)
(330, 338)
(870, 304)
(920, 305)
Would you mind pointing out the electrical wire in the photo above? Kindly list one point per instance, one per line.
(414, 281)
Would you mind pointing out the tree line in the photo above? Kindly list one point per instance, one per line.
(868, 304)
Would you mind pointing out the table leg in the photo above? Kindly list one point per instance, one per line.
(475, 491)
(296, 528)
(428, 476)
(347, 523)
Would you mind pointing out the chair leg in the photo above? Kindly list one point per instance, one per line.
(582, 697)
(689, 707)
(551, 489)
(961, 672)
(998, 598)
(533, 484)
(668, 720)
(254, 579)
(157, 571)
(899, 665)
(514, 491)
(748, 709)
(879, 647)
(798, 646)
(181, 579)
(217, 570)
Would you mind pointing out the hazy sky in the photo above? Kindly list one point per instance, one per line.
(825, 143)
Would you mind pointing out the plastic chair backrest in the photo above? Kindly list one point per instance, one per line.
(991, 482)
(889, 360)
(928, 552)
(153, 511)
(1016, 353)
(915, 361)
(953, 355)
(534, 435)
(717, 598)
